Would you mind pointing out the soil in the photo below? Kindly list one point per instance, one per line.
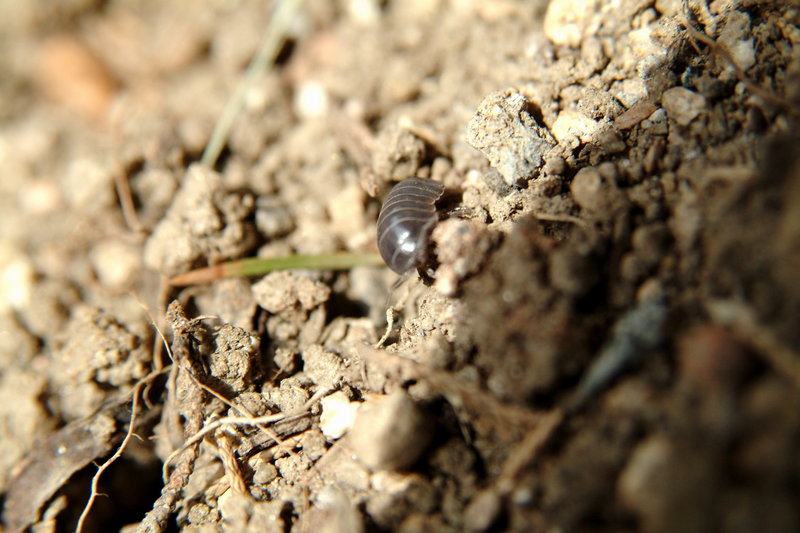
(604, 337)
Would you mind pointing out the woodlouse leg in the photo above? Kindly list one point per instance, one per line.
(389, 327)
(393, 309)
(460, 211)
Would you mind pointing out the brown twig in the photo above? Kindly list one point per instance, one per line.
(155, 521)
(125, 197)
(191, 408)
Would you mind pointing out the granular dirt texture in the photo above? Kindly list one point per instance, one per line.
(604, 337)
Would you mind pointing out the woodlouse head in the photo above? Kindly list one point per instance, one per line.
(405, 223)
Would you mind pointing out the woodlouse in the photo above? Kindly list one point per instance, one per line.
(405, 223)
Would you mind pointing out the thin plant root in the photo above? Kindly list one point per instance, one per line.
(240, 421)
(389, 327)
(102, 468)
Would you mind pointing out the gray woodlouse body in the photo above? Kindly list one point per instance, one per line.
(405, 223)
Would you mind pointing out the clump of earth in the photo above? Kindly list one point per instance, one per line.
(603, 338)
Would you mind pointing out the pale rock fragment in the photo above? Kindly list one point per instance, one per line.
(682, 105)
(390, 432)
(574, 123)
(509, 136)
(338, 415)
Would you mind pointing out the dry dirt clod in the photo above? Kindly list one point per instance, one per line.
(116, 263)
(597, 194)
(240, 512)
(461, 249)
(280, 291)
(398, 154)
(273, 220)
(204, 223)
(234, 361)
(322, 367)
(509, 135)
(389, 432)
(567, 22)
(99, 356)
(572, 123)
(396, 494)
(737, 37)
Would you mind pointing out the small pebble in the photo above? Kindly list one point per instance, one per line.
(482, 510)
(16, 279)
(736, 36)
(263, 470)
(390, 432)
(667, 486)
(395, 495)
(630, 91)
(574, 123)
(338, 415)
(682, 105)
(311, 100)
(642, 481)
(633, 116)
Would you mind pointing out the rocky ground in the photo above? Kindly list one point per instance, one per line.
(604, 337)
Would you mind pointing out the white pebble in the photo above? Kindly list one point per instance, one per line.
(311, 100)
(16, 279)
(338, 415)
(574, 123)
(389, 433)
